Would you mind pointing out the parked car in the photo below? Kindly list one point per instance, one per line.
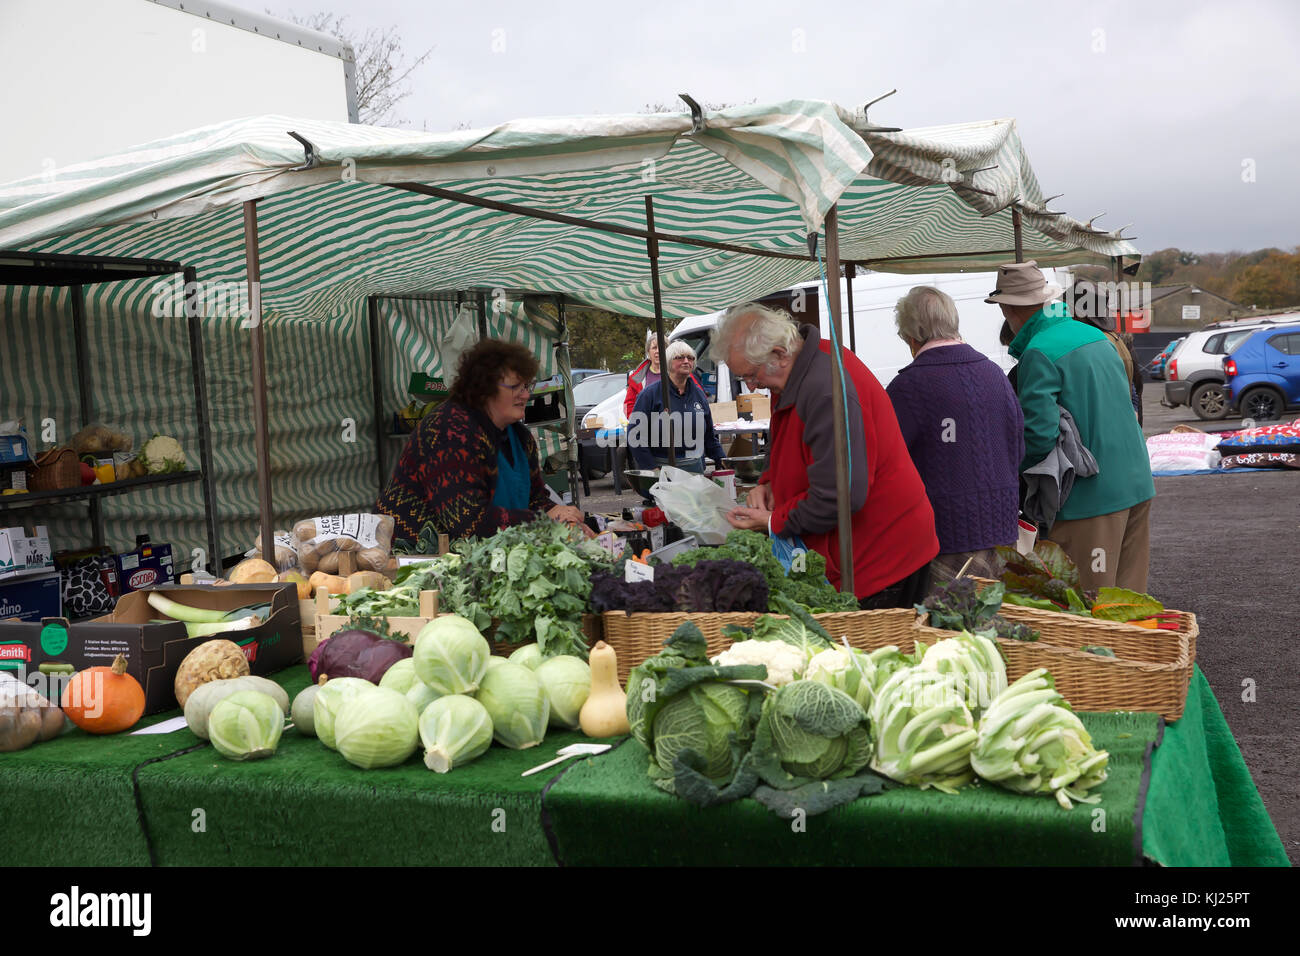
(1158, 366)
(1195, 371)
(1263, 373)
(598, 405)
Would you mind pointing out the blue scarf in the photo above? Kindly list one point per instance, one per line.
(514, 479)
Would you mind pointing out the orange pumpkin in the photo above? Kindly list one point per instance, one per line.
(104, 700)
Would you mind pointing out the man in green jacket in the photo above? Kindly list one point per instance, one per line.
(1104, 524)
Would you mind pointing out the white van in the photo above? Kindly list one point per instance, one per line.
(877, 342)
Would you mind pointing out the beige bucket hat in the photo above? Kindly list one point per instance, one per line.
(1023, 283)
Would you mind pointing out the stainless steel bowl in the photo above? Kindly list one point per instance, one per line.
(642, 480)
(749, 468)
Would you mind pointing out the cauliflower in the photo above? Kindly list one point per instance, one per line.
(161, 455)
(784, 662)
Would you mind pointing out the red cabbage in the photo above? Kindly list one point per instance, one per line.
(356, 653)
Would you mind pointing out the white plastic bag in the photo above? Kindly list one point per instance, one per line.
(462, 334)
(696, 504)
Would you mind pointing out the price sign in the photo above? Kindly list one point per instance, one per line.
(636, 571)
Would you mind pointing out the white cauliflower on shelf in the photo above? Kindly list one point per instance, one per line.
(162, 455)
(785, 663)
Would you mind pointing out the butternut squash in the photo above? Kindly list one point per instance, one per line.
(332, 583)
(605, 712)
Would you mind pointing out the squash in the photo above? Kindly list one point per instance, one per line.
(304, 710)
(25, 716)
(104, 700)
(252, 571)
(211, 660)
(332, 583)
(295, 577)
(605, 712)
(206, 696)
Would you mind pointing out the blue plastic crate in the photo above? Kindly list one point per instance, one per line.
(13, 450)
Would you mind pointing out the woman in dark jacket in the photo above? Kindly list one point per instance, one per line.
(471, 468)
(965, 432)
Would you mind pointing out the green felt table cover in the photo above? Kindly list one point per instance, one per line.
(1202, 806)
(607, 809)
(73, 802)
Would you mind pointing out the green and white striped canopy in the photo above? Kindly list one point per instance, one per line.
(333, 232)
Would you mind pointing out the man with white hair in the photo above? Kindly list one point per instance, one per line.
(893, 524)
(1104, 524)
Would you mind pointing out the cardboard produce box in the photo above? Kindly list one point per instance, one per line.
(21, 554)
(154, 651)
(30, 598)
(755, 407)
(724, 412)
(148, 566)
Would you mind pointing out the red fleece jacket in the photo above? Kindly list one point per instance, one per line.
(893, 523)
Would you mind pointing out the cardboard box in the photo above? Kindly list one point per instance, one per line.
(755, 407)
(20, 554)
(30, 598)
(148, 566)
(154, 651)
(724, 412)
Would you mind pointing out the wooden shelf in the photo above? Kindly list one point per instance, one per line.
(123, 487)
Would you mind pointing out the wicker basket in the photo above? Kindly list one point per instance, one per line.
(638, 636)
(1147, 673)
(592, 629)
(1112, 634)
(55, 470)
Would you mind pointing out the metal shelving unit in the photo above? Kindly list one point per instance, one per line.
(75, 272)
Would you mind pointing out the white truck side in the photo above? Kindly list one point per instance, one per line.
(874, 298)
(87, 78)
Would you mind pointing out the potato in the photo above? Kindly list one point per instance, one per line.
(20, 727)
(211, 660)
(305, 530)
(373, 559)
(329, 563)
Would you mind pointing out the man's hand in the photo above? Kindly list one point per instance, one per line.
(761, 497)
(749, 519)
(571, 516)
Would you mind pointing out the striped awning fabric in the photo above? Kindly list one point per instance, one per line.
(333, 232)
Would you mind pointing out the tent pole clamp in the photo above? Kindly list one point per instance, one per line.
(697, 113)
(312, 160)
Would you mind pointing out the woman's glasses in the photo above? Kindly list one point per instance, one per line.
(526, 386)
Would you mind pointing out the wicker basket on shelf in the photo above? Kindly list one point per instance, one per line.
(638, 635)
(55, 470)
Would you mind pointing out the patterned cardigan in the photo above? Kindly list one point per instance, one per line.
(447, 475)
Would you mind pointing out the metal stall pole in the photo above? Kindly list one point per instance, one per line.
(1015, 228)
(253, 267)
(376, 384)
(842, 477)
(850, 272)
(565, 360)
(198, 368)
(652, 250)
(85, 390)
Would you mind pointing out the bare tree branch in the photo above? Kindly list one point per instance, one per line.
(381, 65)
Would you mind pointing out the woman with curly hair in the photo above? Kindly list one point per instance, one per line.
(471, 468)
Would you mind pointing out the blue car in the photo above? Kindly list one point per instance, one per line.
(1263, 373)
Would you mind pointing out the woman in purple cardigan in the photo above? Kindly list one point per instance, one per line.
(965, 432)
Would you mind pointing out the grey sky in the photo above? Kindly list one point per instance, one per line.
(1145, 111)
